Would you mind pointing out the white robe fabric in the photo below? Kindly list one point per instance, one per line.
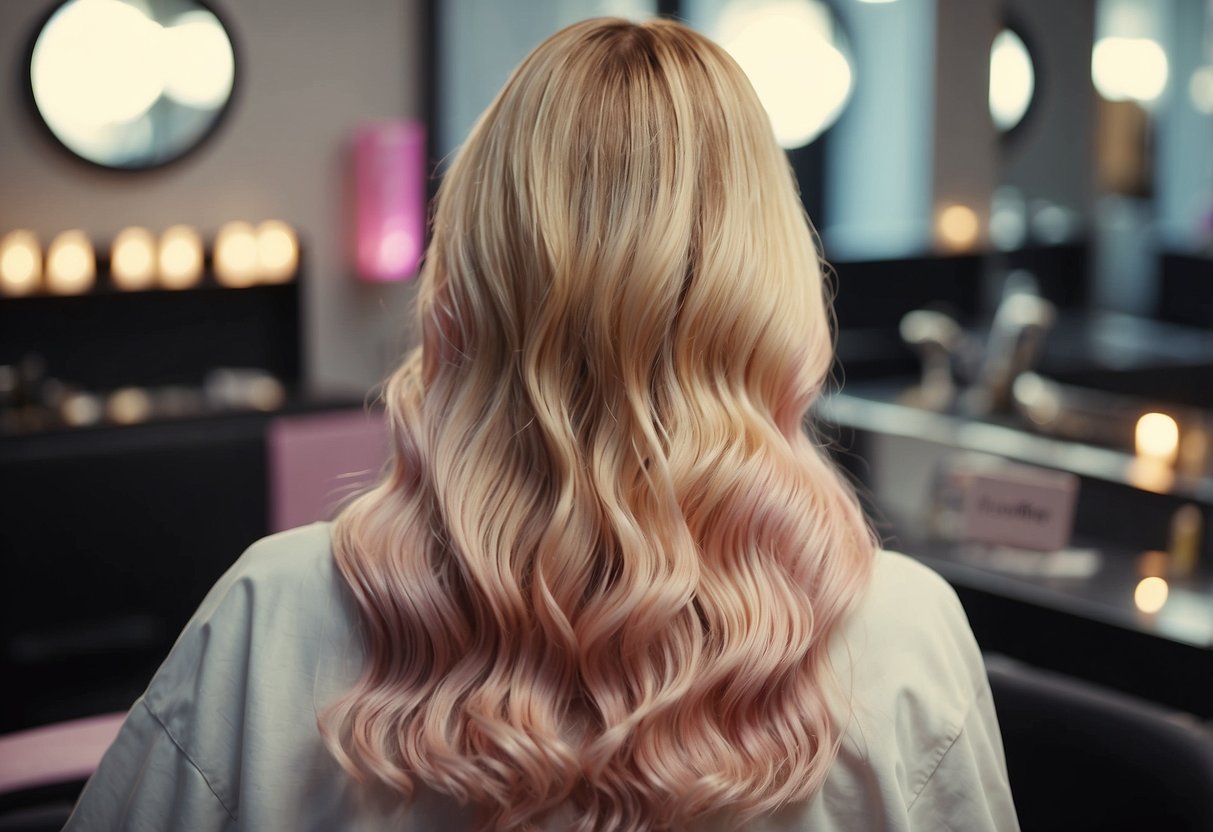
(225, 736)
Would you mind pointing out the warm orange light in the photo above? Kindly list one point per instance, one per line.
(133, 259)
(958, 227)
(71, 265)
(236, 255)
(1157, 437)
(180, 257)
(277, 251)
(20, 263)
(128, 406)
(1151, 594)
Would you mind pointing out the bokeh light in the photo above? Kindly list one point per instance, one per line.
(791, 51)
(1157, 437)
(203, 68)
(71, 263)
(277, 251)
(20, 263)
(236, 255)
(133, 259)
(1129, 69)
(958, 227)
(1012, 79)
(179, 259)
(1151, 593)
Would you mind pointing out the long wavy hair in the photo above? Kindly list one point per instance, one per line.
(604, 563)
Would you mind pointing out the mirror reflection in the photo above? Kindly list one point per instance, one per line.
(131, 83)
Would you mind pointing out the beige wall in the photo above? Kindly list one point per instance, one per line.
(309, 71)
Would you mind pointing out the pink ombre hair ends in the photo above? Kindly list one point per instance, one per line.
(602, 569)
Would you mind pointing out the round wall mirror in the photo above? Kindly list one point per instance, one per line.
(1012, 79)
(131, 83)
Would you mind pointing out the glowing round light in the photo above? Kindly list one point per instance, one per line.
(133, 259)
(789, 50)
(1129, 69)
(128, 406)
(180, 258)
(958, 227)
(1012, 79)
(71, 265)
(80, 409)
(1200, 89)
(1151, 594)
(396, 249)
(236, 255)
(1157, 437)
(97, 62)
(20, 263)
(277, 251)
(203, 67)
(266, 394)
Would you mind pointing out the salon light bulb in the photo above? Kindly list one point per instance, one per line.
(71, 265)
(1157, 437)
(180, 257)
(958, 227)
(133, 259)
(1012, 79)
(205, 68)
(1129, 69)
(236, 255)
(20, 263)
(1151, 594)
(788, 50)
(277, 251)
(128, 406)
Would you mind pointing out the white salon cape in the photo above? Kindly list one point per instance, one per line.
(225, 737)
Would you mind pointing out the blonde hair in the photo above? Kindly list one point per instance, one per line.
(605, 563)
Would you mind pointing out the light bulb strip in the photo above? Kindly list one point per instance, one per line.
(137, 260)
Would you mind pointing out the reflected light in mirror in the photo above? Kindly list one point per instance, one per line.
(205, 68)
(1129, 69)
(1150, 474)
(20, 263)
(1157, 437)
(180, 257)
(1200, 89)
(128, 406)
(1151, 594)
(958, 227)
(97, 62)
(236, 255)
(788, 49)
(80, 409)
(1012, 79)
(71, 264)
(277, 251)
(133, 259)
(1008, 218)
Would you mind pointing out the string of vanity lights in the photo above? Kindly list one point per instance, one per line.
(242, 256)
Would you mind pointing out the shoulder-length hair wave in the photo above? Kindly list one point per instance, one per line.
(603, 566)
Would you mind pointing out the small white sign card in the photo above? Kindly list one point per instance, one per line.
(1017, 505)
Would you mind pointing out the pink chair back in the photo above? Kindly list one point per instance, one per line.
(60, 753)
(317, 461)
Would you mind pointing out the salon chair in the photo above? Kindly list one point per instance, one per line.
(43, 769)
(1086, 758)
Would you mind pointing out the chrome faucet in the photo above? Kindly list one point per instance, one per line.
(1021, 323)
